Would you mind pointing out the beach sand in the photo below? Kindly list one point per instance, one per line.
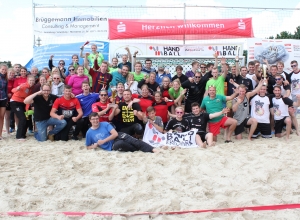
(64, 176)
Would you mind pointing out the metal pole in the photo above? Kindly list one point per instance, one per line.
(184, 7)
(33, 15)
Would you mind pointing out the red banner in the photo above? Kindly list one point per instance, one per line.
(176, 29)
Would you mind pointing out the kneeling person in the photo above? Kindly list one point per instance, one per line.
(104, 136)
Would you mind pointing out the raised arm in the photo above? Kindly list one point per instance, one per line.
(256, 90)
(214, 115)
(50, 62)
(81, 51)
(29, 99)
(129, 54)
(216, 59)
(237, 65)
(134, 58)
(86, 62)
(224, 67)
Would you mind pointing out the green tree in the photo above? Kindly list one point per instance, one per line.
(287, 35)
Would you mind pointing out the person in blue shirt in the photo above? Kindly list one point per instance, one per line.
(119, 77)
(103, 135)
(86, 100)
(160, 74)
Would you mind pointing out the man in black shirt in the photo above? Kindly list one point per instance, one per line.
(182, 78)
(177, 124)
(42, 103)
(150, 82)
(198, 120)
(131, 115)
(195, 89)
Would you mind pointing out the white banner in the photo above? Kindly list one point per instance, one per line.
(157, 139)
(274, 50)
(118, 49)
(61, 22)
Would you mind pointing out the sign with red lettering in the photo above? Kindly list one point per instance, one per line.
(176, 29)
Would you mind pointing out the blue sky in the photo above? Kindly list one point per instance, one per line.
(16, 19)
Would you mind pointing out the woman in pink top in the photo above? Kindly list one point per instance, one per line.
(76, 81)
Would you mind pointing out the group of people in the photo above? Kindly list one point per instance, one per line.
(110, 103)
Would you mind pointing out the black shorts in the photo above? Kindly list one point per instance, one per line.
(279, 125)
(202, 135)
(3, 103)
(241, 128)
(264, 129)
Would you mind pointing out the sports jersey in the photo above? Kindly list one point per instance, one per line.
(86, 102)
(217, 83)
(281, 107)
(145, 102)
(127, 116)
(260, 108)
(295, 83)
(162, 109)
(100, 106)
(214, 105)
(67, 108)
(199, 122)
(178, 126)
(99, 80)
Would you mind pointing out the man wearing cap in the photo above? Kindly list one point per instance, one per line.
(161, 73)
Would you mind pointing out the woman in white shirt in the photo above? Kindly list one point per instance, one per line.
(131, 84)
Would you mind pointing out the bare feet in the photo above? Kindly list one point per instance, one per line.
(212, 144)
(165, 147)
(156, 150)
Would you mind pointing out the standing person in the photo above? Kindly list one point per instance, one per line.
(99, 78)
(37, 86)
(103, 108)
(202, 69)
(240, 108)
(66, 108)
(46, 72)
(150, 82)
(215, 103)
(165, 86)
(131, 116)
(126, 60)
(281, 107)
(114, 65)
(119, 96)
(147, 68)
(251, 73)
(57, 87)
(61, 66)
(10, 85)
(103, 135)
(76, 81)
(91, 57)
(131, 84)
(295, 81)
(138, 74)
(260, 110)
(182, 78)
(3, 95)
(71, 71)
(35, 72)
(145, 98)
(192, 72)
(161, 105)
(195, 88)
(177, 93)
(160, 74)
(120, 77)
(18, 106)
(87, 101)
(216, 80)
(280, 66)
(42, 102)
(199, 120)
(22, 78)
(177, 124)
(17, 68)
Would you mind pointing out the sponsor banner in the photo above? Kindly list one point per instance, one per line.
(274, 50)
(198, 29)
(118, 49)
(66, 23)
(157, 139)
(64, 52)
(165, 50)
(207, 50)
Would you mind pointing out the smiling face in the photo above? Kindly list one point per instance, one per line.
(94, 49)
(152, 78)
(45, 90)
(124, 59)
(244, 72)
(3, 69)
(242, 92)
(280, 67)
(138, 67)
(197, 77)
(176, 85)
(277, 92)
(75, 59)
(157, 97)
(114, 62)
(42, 80)
(145, 91)
(103, 96)
(120, 89)
(31, 81)
(80, 71)
(212, 91)
(263, 91)
(23, 73)
(103, 68)
(124, 71)
(196, 110)
(127, 96)
(294, 66)
(251, 68)
(34, 71)
(11, 74)
(179, 113)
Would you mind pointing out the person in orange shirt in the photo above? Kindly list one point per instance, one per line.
(18, 106)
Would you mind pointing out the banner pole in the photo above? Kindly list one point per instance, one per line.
(184, 17)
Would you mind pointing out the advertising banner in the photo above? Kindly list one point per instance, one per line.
(274, 50)
(198, 29)
(175, 139)
(64, 52)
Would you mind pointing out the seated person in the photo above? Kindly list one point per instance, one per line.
(103, 108)
(66, 108)
(161, 106)
(131, 115)
(177, 124)
(42, 103)
(110, 139)
(156, 121)
(86, 100)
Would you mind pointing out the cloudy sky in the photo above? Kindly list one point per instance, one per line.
(16, 19)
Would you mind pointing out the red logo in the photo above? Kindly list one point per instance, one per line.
(156, 51)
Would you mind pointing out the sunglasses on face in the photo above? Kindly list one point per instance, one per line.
(277, 79)
(71, 69)
(179, 112)
(198, 77)
(293, 65)
(103, 94)
(202, 67)
(61, 64)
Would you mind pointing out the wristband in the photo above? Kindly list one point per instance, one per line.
(236, 60)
